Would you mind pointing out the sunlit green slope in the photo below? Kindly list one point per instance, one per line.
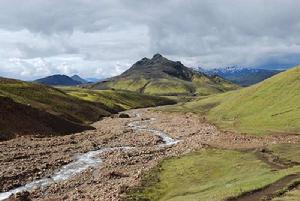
(272, 106)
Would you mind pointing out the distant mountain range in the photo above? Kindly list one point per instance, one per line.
(161, 76)
(64, 80)
(241, 76)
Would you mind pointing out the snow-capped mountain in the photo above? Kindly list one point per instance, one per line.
(240, 75)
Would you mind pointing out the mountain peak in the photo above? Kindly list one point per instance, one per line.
(143, 61)
(75, 76)
(159, 59)
(79, 79)
(162, 76)
(157, 56)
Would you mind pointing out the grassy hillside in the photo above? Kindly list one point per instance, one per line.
(209, 175)
(51, 108)
(160, 76)
(52, 100)
(18, 119)
(118, 100)
(272, 106)
(199, 85)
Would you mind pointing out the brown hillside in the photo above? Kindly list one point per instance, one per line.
(18, 119)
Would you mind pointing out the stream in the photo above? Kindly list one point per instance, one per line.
(89, 159)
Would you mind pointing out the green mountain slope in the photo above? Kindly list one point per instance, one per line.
(39, 105)
(272, 106)
(118, 100)
(160, 76)
(52, 100)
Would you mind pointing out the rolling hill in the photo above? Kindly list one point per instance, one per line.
(242, 76)
(160, 76)
(61, 80)
(272, 106)
(41, 109)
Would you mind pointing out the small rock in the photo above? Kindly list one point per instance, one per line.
(116, 175)
(124, 115)
(22, 196)
(127, 131)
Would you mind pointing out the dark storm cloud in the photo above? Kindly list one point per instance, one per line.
(103, 37)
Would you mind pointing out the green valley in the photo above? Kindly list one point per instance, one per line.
(161, 100)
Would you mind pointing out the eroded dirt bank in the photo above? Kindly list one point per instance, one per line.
(26, 159)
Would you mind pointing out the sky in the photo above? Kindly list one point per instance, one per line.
(103, 38)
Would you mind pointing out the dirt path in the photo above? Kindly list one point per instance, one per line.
(24, 160)
(271, 191)
(268, 192)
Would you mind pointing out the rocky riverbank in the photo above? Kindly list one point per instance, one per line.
(26, 159)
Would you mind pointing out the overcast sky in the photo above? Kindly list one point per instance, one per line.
(102, 38)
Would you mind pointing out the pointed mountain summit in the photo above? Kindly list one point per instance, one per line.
(159, 67)
(161, 76)
(79, 79)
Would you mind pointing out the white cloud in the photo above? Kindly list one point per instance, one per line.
(101, 38)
